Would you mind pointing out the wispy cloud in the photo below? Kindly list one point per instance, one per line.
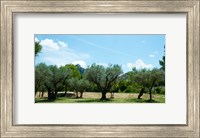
(101, 47)
(66, 56)
(140, 51)
(54, 61)
(153, 54)
(139, 64)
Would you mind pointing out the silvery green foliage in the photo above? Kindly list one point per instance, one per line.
(148, 78)
(39, 77)
(103, 77)
(51, 77)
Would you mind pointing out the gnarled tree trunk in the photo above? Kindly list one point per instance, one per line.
(141, 93)
(150, 93)
(81, 94)
(103, 97)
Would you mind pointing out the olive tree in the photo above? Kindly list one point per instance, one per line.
(54, 77)
(82, 86)
(78, 85)
(73, 83)
(64, 83)
(39, 76)
(42, 89)
(103, 77)
(72, 73)
(148, 79)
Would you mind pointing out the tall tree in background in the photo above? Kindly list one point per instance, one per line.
(73, 72)
(73, 83)
(78, 85)
(83, 85)
(103, 77)
(162, 61)
(38, 48)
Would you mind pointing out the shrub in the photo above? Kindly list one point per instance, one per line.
(132, 89)
(160, 90)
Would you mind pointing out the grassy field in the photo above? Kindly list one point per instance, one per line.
(92, 97)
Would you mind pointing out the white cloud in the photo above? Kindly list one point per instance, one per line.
(151, 55)
(62, 44)
(49, 44)
(36, 39)
(102, 64)
(139, 64)
(154, 54)
(58, 53)
(66, 56)
(130, 65)
(80, 62)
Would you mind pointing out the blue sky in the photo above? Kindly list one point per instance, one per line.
(140, 51)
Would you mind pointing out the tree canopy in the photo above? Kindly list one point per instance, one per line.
(96, 78)
(148, 78)
(103, 77)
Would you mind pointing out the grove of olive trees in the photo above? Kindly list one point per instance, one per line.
(52, 81)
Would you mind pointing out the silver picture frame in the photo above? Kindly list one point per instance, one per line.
(10, 7)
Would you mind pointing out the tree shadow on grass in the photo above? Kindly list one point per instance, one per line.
(93, 101)
(69, 95)
(90, 100)
(145, 101)
(44, 100)
(151, 101)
